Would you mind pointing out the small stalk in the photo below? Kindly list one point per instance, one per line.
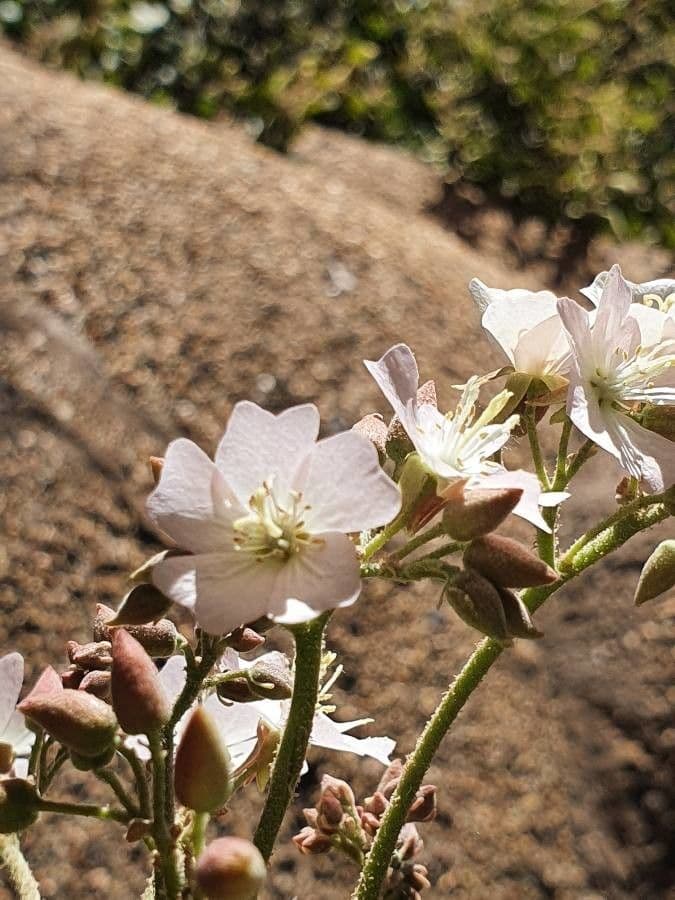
(141, 779)
(113, 782)
(84, 809)
(166, 860)
(418, 541)
(293, 747)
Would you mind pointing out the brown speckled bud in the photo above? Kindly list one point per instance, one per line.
(472, 514)
(477, 602)
(203, 771)
(374, 428)
(518, 620)
(144, 603)
(310, 842)
(97, 683)
(96, 655)
(245, 639)
(77, 720)
(158, 640)
(507, 563)
(230, 868)
(18, 805)
(138, 697)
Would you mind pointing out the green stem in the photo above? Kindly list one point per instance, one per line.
(117, 787)
(199, 823)
(35, 753)
(166, 859)
(535, 448)
(51, 772)
(419, 541)
(580, 457)
(293, 747)
(608, 537)
(445, 550)
(141, 779)
(84, 809)
(382, 537)
(17, 869)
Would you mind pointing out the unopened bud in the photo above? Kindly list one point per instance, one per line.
(373, 427)
(79, 721)
(96, 683)
(507, 563)
(337, 798)
(158, 640)
(658, 573)
(423, 808)
(95, 655)
(203, 772)
(138, 697)
(391, 777)
(310, 842)
(477, 602)
(19, 805)
(156, 466)
(269, 678)
(478, 512)
(49, 682)
(72, 677)
(409, 844)
(518, 620)
(92, 763)
(245, 639)
(144, 603)
(230, 868)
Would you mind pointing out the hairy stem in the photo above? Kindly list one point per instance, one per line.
(113, 782)
(17, 869)
(141, 779)
(591, 548)
(166, 869)
(418, 541)
(293, 746)
(84, 809)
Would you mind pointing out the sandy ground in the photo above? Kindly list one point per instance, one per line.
(154, 270)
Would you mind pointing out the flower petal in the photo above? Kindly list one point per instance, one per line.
(192, 502)
(528, 505)
(509, 321)
(258, 445)
(644, 454)
(11, 680)
(323, 577)
(484, 296)
(342, 482)
(331, 735)
(224, 590)
(398, 378)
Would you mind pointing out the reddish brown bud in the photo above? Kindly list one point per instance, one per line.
(138, 697)
(90, 656)
(373, 427)
(230, 869)
(268, 678)
(507, 563)
(144, 603)
(409, 844)
(518, 620)
(49, 682)
(477, 512)
(72, 677)
(19, 805)
(77, 720)
(477, 602)
(423, 808)
(202, 773)
(158, 640)
(391, 777)
(97, 683)
(245, 639)
(310, 842)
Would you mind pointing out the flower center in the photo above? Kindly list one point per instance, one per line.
(665, 304)
(272, 529)
(634, 379)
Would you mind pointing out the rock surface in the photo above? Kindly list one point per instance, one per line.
(155, 269)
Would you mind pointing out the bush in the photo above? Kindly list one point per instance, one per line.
(557, 107)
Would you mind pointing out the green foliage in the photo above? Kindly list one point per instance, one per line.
(558, 107)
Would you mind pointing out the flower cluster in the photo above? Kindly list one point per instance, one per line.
(282, 528)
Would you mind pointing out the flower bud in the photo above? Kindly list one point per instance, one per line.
(72, 677)
(142, 604)
(507, 563)
(658, 573)
(373, 427)
(138, 697)
(202, 773)
(518, 620)
(92, 763)
(269, 678)
(90, 656)
(310, 842)
(423, 807)
(48, 683)
(477, 512)
(477, 602)
(245, 639)
(79, 721)
(158, 640)
(19, 805)
(97, 683)
(230, 868)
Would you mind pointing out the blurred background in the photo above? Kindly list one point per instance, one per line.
(296, 187)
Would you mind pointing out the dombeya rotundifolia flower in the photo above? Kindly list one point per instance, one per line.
(623, 357)
(458, 448)
(267, 521)
(15, 739)
(658, 294)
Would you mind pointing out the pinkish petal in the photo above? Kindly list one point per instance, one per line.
(192, 502)
(346, 489)
(224, 590)
(397, 377)
(331, 735)
(323, 577)
(510, 320)
(258, 445)
(613, 305)
(11, 680)
(644, 454)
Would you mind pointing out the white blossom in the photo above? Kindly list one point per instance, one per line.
(458, 446)
(526, 326)
(267, 522)
(13, 731)
(623, 356)
(658, 294)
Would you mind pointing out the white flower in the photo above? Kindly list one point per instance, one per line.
(458, 447)
(624, 355)
(238, 722)
(527, 328)
(267, 522)
(13, 731)
(658, 294)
